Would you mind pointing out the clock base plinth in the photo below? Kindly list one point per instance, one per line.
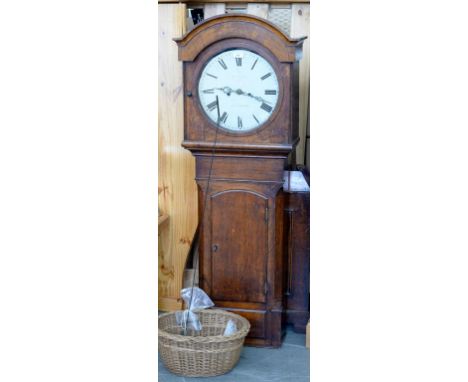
(267, 327)
(261, 343)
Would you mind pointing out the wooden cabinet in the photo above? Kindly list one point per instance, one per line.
(297, 250)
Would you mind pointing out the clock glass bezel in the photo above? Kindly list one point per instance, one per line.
(252, 47)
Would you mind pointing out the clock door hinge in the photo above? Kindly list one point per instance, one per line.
(265, 288)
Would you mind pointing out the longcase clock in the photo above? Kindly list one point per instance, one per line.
(241, 124)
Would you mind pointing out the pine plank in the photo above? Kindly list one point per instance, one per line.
(300, 16)
(162, 219)
(169, 304)
(176, 186)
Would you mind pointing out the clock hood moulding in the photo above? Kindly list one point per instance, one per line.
(285, 48)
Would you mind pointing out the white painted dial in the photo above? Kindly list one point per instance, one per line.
(246, 86)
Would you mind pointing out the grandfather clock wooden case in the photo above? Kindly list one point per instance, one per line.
(242, 262)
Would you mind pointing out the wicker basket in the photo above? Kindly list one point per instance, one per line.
(204, 354)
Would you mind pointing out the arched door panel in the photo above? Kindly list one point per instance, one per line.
(239, 246)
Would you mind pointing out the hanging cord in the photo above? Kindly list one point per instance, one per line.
(202, 220)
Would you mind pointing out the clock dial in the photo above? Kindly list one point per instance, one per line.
(246, 86)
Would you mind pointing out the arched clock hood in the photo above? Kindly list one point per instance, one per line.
(279, 134)
(243, 26)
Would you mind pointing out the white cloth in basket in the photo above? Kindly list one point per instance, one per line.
(188, 319)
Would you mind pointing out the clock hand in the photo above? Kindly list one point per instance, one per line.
(227, 90)
(260, 99)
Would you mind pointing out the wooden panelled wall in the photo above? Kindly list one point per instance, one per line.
(177, 188)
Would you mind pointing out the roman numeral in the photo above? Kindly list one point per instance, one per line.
(211, 106)
(266, 107)
(208, 91)
(223, 117)
(208, 74)
(266, 76)
(239, 122)
(239, 61)
(253, 115)
(255, 63)
(270, 92)
(222, 63)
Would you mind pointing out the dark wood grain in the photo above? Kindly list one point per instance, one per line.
(242, 26)
(240, 168)
(239, 248)
(297, 250)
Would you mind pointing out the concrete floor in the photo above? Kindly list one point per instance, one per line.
(288, 363)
